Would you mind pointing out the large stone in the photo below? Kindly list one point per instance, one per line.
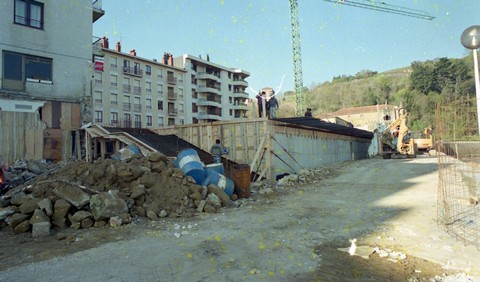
(46, 205)
(29, 206)
(87, 223)
(5, 212)
(39, 216)
(40, 224)
(158, 166)
(16, 219)
(157, 157)
(20, 198)
(152, 215)
(81, 215)
(60, 211)
(220, 193)
(73, 195)
(138, 191)
(22, 227)
(106, 205)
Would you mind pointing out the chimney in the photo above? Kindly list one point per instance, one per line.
(104, 42)
(208, 57)
(118, 47)
(133, 52)
(164, 59)
(170, 59)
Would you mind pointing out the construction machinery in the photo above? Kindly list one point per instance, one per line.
(396, 140)
(423, 140)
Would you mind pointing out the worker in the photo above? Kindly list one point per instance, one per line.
(273, 106)
(308, 113)
(259, 103)
(217, 151)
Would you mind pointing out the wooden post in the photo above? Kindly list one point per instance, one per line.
(103, 148)
(78, 145)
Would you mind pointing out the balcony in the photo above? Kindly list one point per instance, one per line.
(132, 71)
(211, 115)
(240, 95)
(127, 106)
(96, 45)
(172, 112)
(127, 123)
(210, 102)
(208, 89)
(239, 82)
(97, 10)
(240, 107)
(205, 75)
(172, 95)
(138, 124)
(171, 80)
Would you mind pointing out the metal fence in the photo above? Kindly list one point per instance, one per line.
(458, 147)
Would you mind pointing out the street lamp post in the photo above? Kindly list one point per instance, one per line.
(471, 40)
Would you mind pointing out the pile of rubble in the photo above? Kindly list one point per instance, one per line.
(107, 192)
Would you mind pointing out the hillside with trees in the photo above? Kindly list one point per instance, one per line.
(418, 88)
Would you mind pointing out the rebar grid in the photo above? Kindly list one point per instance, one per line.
(458, 147)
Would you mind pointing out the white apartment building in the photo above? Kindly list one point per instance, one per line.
(131, 91)
(46, 73)
(216, 92)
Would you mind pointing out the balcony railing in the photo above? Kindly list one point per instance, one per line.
(138, 124)
(127, 123)
(172, 112)
(132, 71)
(171, 80)
(172, 95)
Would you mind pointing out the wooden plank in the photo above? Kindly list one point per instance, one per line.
(257, 154)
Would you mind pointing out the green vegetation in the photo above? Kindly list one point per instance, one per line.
(419, 88)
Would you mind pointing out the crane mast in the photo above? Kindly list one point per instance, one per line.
(297, 58)
(296, 44)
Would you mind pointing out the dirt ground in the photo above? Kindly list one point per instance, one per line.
(297, 233)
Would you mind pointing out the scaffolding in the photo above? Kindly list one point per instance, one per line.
(458, 147)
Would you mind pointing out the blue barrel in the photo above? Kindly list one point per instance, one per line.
(220, 180)
(217, 167)
(189, 162)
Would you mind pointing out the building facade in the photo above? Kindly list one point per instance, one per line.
(215, 92)
(46, 68)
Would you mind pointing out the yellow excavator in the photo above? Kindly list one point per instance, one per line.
(395, 139)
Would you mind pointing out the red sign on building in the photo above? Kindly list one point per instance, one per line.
(98, 63)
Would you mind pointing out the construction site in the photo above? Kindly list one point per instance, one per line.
(297, 198)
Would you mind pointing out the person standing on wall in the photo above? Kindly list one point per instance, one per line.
(273, 106)
(308, 113)
(216, 151)
(259, 103)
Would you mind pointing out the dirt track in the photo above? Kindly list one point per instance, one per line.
(291, 235)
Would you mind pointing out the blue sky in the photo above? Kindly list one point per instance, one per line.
(254, 35)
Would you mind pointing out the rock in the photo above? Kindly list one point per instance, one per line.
(195, 196)
(140, 211)
(46, 205)
(158, 166)
(107, 205)
(20, 198)
(234, 197)
(5, 212)
(29, 206)
(163, 214)
(16, 219)
(40, 224)
(115, 221)
(157, 157)
(214, 201)
(60, 211)
(220, 193)
(138, 191)
(201, 206)
(4, 203)
(209, 209)
(100, 223)
(152, 215)
(22, 227)
(204, 192)
(72, 194)
(81, 215)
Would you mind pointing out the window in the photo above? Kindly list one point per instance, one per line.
(114, 116)
(160, 121)
(180, 109)
(113, 80)
(136, 69)
(171, 121)
(113, 62)
(137, 107)
(17, 68)
(148, 104)
(148, 70)
(180, 93)
(29, 13)
(138, 121)
(160, 105)
(98, 116)
(98, 77)
(181, 121)
(148, 86)
(98, 96)
(113, 98)
(127, 120)
(149, 120)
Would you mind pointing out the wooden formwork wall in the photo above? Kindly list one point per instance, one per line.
(272, 147)
(21, 136)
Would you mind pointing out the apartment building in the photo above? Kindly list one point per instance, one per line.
(215, 92)
(46, 70)
(131, 91)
